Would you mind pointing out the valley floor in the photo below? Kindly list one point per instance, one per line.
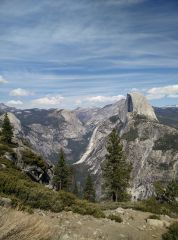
(43, 225)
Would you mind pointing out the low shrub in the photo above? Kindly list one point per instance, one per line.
(5, 148)
(25, 192)
(115, 218)
(85, 208)
(167, 142)
(154, 217)
(131, 135)
(172, 233)
(31, 158)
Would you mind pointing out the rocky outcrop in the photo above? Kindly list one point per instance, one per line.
(141, 134)
(137, 103)
(6, 202)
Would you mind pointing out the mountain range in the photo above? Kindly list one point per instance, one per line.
(149, 136)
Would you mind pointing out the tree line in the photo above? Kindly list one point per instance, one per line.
(115, 172)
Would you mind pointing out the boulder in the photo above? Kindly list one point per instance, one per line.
(6, 202)
(158, 223)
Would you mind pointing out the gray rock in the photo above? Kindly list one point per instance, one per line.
(6, 202)
(158, 223)
(137, 103)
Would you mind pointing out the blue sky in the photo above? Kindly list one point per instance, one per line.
(66, 53)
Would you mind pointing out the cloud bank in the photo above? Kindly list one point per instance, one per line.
(48, 101)
(3, 80)
(19, 92)
(170, 91)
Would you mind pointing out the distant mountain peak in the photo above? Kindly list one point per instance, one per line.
(137, 102)
(3, 106)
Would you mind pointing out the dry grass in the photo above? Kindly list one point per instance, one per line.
(19, 225)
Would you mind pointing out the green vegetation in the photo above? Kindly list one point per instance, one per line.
(114, 119)
(115, 218)
(139, 118)
(89, 191)
(62, 174)
(172, 233)
(154, 217)
(7, 130)
(75, 189)
(31, 158)
(87, 208)
(166, 193)
(154, 206)
(164, 166)
(131, 135)
(4, 148)
(168, 142)
(23, 191)
(116, 171)
(150, 205)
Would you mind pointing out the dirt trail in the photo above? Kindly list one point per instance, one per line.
(69, 226)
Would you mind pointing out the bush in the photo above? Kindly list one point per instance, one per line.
(153, 206)
(31, 158)
(26, 193)
(167, 142)
(166, 193)
(154, 217)
(115, 218)
(131, 135)
(83, 207)
(172, 233)
(5, 148)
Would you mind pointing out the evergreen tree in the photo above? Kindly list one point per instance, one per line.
(61, 177)
(89, 191)
(7, 130)
(166, 193)
(75, 190)
(116, 170)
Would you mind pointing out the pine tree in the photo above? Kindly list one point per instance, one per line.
(166, 193)
(61, 177)
(89, 191)
(75, 190)
(7, 130)
(116, 171)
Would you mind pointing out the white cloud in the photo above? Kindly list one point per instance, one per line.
(102, 99)
(170, 91)
(48, 100)
(14, 102)
(3, 80)
(126, 2)
(20, 92)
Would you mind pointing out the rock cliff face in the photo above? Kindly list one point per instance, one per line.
(137, 103)
(149, 145)
(150, 140)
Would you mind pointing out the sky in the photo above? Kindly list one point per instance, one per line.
(84, 53)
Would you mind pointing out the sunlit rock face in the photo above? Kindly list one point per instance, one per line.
(138, 103)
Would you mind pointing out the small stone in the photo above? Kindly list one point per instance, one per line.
(66, 237)
(122, 235)
(156, 223)
(3, 166)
